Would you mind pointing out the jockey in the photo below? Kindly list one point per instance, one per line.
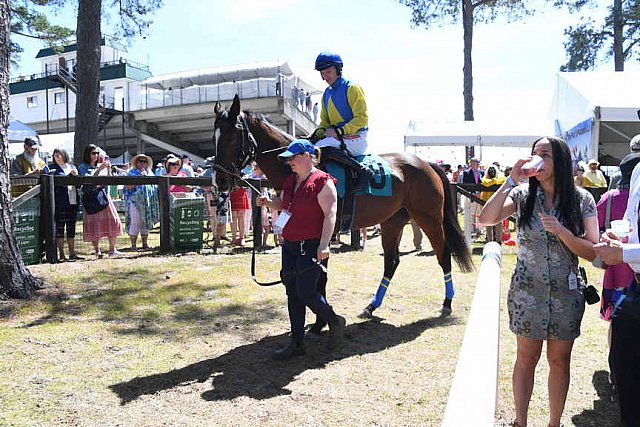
(343, 114)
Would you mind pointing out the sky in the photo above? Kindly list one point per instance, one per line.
(407, 73)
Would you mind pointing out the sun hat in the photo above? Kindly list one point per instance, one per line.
(297, 146)
(593, 162)
(172, 160)
(142, 156)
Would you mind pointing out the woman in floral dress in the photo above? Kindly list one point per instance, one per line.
(556, 224)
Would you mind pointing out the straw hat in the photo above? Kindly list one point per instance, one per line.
(171, 159)
(137, 157)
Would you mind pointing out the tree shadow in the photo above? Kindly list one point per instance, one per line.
(605, 410)
(248, 370)
(122, 299)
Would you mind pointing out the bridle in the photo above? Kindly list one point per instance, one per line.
(247, 148)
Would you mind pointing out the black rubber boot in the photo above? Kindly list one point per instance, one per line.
(336, 332)
(286, 353)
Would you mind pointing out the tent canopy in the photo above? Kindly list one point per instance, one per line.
(610, 99)
(497, 134)
(18, 131)
(224, 74)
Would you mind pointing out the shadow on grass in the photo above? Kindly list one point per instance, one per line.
(605, 409)
(249, 371)
(138, 301)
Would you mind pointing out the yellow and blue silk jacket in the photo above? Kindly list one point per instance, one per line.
(344, 106)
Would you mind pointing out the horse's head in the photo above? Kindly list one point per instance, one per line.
(233, 144)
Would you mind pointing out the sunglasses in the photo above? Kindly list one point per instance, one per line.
(142, 161)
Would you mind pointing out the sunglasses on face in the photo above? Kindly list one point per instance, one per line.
(94, 153)
(142, 161)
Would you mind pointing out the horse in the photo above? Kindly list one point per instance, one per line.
(421, 192)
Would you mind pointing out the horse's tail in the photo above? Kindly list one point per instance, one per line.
(453, 236)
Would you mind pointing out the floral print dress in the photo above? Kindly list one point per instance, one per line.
(540, 302)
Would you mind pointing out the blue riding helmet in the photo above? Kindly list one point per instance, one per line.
(328, 59)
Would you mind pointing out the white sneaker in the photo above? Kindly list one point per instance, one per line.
(115, 254)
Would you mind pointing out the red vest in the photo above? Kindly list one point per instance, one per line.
(306, 215)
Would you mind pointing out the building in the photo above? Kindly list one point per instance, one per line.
(156, 115)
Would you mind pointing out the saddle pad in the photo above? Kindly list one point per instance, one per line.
(381, 185)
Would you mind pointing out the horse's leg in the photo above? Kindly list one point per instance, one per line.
(391, 231)
(434, 230)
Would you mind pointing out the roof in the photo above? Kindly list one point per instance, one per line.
(225, 74)
(49, 51)
(507, 133)
(613, 96)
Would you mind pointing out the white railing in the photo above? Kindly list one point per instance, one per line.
(472, 398)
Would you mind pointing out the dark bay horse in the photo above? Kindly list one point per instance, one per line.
(421, 192)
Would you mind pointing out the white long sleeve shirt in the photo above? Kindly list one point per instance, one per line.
(631, 250)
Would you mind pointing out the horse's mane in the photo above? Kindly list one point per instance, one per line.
(265, 120)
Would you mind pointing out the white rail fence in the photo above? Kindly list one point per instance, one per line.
(473, 395)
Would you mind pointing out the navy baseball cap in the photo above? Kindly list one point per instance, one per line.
(297, 146)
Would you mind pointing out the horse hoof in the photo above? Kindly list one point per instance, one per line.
(365, 314)
(445, 311)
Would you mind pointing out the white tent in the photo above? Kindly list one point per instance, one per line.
(496, 134)
(598, 112)
(18, 131)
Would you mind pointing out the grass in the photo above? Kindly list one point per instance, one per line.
(185, 341)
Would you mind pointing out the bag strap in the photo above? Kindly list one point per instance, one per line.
(607, 217)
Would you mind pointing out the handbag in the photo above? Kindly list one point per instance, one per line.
(591, 295)
(95, 200)
(597, 262)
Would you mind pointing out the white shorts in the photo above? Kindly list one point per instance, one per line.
(356, 143)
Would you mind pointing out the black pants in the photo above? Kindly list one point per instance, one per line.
(624, 356)
(302, 290)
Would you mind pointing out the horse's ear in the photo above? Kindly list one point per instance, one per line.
(217, 108)
(234, 111)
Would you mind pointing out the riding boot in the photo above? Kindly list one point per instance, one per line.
(292, 350)
(362, 173)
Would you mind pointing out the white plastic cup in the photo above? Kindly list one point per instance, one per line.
(621, 227)
(532, 166)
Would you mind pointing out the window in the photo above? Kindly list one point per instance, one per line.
(59, 98)
(32, 101)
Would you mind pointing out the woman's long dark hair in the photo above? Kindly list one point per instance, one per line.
(566, 196)
(86, 154)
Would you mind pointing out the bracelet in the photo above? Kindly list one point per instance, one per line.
(510, 182)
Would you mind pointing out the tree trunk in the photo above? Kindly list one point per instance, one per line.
(467, 22)
(88, 75)
(618, 35)
(15, 280)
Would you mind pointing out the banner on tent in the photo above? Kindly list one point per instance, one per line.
(578, 139)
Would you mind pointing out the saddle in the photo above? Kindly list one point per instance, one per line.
(378, 185)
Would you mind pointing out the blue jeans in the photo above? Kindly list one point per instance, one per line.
(302, 290)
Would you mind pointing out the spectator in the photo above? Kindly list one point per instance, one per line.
(27, 163)
(473, 176)
(580, 180)
(491, 178)
(239, 208)
(625, 319)
(173, 166)
(186, 165)
(141, 202)
(612, 206)
(106, 222)
(556, 224)
(66, 203)
(634, 148)
(315, 112)
(595, 175)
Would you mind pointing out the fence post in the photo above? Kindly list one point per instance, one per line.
(473, 394)
(163, 205)
(47, 209)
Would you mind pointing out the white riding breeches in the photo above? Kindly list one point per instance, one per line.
(356, 143)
